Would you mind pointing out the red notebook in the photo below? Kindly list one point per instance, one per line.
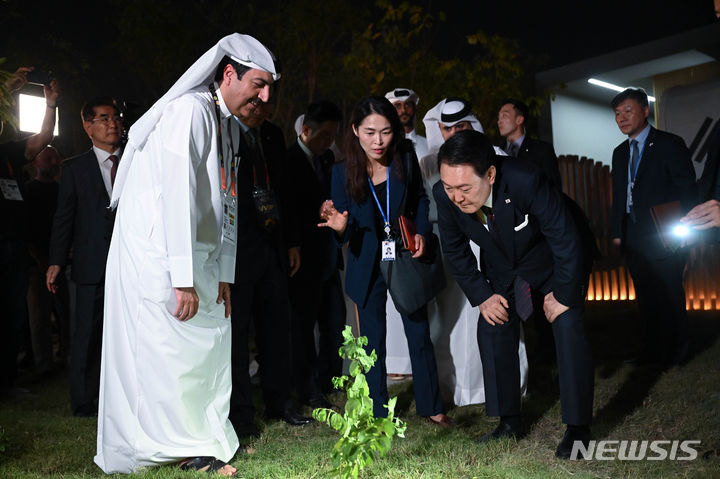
(407, 232)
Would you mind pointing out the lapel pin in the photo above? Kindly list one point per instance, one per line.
(507, 201)
(651, 144)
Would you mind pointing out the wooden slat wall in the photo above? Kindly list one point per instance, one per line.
(589, 183)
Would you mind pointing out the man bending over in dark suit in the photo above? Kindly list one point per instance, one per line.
(527, 239)
(512, 119)
(84, 223)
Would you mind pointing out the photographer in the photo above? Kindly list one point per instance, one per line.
(13, 227)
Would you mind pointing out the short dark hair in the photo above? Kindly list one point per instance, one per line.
(88, 110)
(319, 112)
(637, 94)
(468, 147)
(519, 106)
(240, 70)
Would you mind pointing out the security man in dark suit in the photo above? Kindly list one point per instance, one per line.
(528, 239)
(83, 222)
(512, 119)
(267, 253)
(651, 168)
(315, 290)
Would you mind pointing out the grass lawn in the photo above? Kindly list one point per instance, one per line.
(43, 439)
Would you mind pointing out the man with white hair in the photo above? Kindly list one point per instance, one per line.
(165, 380)
(405, 102)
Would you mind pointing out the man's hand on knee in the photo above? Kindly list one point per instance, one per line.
(494, 310)
(552, 307)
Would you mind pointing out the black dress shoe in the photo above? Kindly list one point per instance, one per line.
(572, 434)
(291, 417)
(503, 429)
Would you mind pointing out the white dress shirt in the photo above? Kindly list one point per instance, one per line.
(106, 165)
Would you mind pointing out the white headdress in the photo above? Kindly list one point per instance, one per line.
(448, 112)
(402, 94)
(244, 49)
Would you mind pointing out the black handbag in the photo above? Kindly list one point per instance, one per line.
(412, 282)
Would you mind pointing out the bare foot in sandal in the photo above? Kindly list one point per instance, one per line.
(208, 464)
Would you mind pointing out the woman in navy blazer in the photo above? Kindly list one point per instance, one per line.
(374, 145)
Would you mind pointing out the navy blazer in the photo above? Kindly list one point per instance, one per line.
(82, 220)
(537, 239)
(665, 174)
(361, 232)
(319, 250)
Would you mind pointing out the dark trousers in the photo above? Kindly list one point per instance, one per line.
(316, 302)
(86, 347)
(661, 300)
(422, 355)
(501, 368)
(543, 348)
(13, 307)
(260, 294)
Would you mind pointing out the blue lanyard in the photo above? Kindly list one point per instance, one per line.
(386, 219)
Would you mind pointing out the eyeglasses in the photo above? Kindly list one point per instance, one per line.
(108, 119)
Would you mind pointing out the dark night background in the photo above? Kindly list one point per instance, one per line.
(135, 50)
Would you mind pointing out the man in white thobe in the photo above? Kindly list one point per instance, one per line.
(165, 376)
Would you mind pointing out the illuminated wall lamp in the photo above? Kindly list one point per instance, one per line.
(611, 86)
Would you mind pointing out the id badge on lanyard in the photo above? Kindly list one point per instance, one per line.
(229, 227)
(229, 194)
(387, 246)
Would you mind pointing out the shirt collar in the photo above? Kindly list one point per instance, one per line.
(518, 141)
(225, 112)
(488, 201)
(642, 136)
(103, 155)
(243, 126)
(305, 149)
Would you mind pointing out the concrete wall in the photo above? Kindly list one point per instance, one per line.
(583, 128)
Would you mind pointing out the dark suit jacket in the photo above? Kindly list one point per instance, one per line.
(82, 220)
(319, 250)
(249, 232)
(665, 174)
(361, 233)
(543, 155)
(546, 252)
